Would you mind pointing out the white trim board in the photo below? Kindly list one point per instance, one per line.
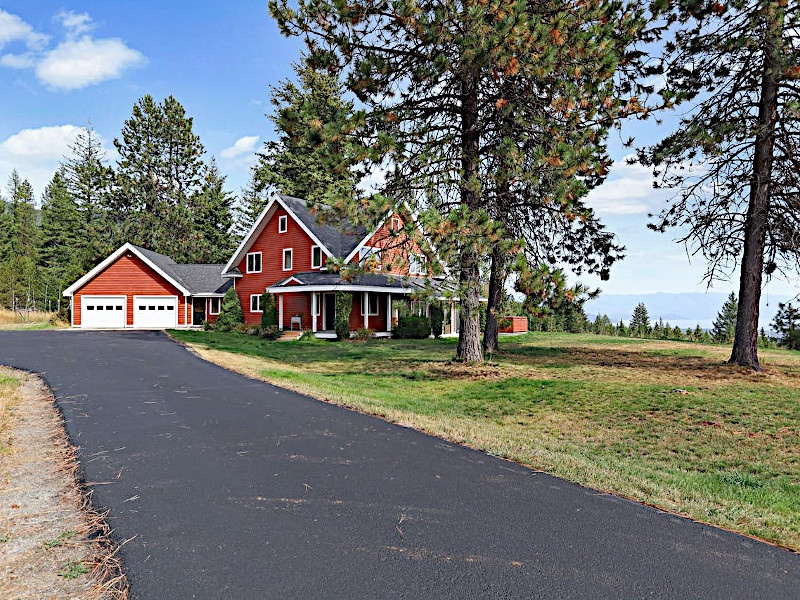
(126, 247)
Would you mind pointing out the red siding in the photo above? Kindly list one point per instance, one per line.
(271, 244)
(376, 322)
(397, 247)
(515, 324)
(128, 276)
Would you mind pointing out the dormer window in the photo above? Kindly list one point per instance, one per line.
(287, 259)
(316, 257)
(283, 224)
(254, 262)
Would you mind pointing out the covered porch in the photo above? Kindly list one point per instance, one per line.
(377, 302)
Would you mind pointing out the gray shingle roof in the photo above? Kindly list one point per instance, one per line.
(198, 279)
(341, 238)
(411, 284)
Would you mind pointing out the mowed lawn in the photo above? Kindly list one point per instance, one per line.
(666, 423)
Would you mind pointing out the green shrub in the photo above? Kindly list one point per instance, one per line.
(344, 304)
(230, 314)
(208, 325)
(437, 319)
(412, 328)
(793, 339)
(504, 323)
(270, 315)
(364, 334)
(273, 332)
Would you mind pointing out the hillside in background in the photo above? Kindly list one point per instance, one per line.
(685, 310)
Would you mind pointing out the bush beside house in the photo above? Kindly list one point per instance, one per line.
(230, 314)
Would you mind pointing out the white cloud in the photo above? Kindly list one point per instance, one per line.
(76, 64)
(78, 61)
(36, 153)
(628, 191)
(75, 23)
(14, 29)
(243, 146)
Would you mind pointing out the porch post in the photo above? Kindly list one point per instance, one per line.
(453, 324)
(365, 308)
(280, 312)
(389, 312)
(314, 304)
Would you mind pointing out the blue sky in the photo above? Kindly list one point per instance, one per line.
(62, 64)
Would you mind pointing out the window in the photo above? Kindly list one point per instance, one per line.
(283, 224)
(316, 257)
(287, 259)
(89, 307)
(120, 307)
(370, 253)
(213, 306)
(369, 300)
(394, 223)
(416, 265)
(255, 303)
(254, 262)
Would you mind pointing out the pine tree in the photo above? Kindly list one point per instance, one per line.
(21, 285)
(787, 325)
(63, 242)
(251, 203)
(429, 75)
(213, 218)
(724, 326)
(230, 313)
(158, 172)
(732, 157)
(303, 162)
(89, 180)
(640, 321)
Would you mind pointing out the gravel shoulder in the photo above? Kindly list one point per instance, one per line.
(52, 544)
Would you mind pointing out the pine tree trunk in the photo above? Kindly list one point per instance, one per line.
(469, 335)
(491, 331)
(745, 343)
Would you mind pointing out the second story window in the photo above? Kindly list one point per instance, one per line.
(316, 257)
(254, 262)
(283, 224)
(394, 223)
(416, 265)
(372, 255)
(287, 259)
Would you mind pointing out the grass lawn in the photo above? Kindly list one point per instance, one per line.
(667, 423)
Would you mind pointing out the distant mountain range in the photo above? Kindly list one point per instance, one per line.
(685, 310)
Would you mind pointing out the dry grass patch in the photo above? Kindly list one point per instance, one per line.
(29, 319)
(52, 545)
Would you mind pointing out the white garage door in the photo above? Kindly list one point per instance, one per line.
(154, 312)
(103, 311)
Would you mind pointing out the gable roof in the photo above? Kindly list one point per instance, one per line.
(335, 240)
(190, 280)
(322, 281)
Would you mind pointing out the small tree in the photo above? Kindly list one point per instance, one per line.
(344, 304)
(230, 315)
(787, 324)
(724, 326)
(640, 321)
(269, 318)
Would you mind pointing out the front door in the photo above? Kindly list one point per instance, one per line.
(198, 311)
(329, 320)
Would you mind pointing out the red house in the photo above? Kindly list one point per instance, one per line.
(287, 252)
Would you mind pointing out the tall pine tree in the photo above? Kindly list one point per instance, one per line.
(724, 327)
(213, 218)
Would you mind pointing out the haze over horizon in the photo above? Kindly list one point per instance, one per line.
(60, 68)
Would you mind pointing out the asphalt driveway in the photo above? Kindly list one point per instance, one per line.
(238, 489)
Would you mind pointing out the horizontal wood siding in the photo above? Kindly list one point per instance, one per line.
(396, 248)
(376, 322)
(271, 244)
(294, 304)
(128, 276)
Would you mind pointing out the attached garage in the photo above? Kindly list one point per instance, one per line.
(104, 312)
(136, 288)
(155, 312)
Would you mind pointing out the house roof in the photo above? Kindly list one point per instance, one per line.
(197, 278)
(340, 238)
(312, 280)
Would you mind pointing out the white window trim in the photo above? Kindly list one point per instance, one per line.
(313, 266)
(365, 304)
(283, 220)
(421, 264)
(376, 252)
(211, 306)
(291, 259)
(392, 221)
(260, 262)
(260, 310)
